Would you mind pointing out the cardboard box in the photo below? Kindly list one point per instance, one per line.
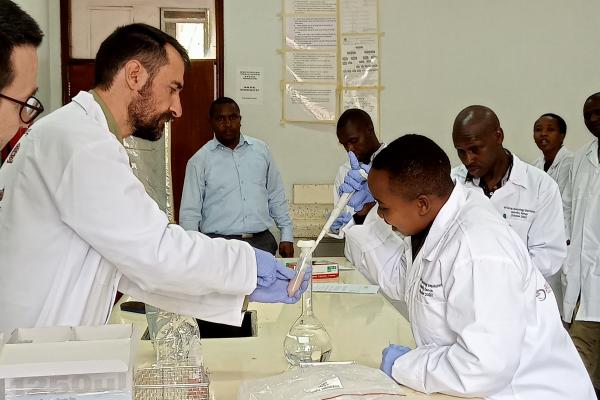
(67, 363)
(322, 269)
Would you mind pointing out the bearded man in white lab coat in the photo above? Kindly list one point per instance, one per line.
(582, 268)
(76, 224)
(526, 197)
(484, 319)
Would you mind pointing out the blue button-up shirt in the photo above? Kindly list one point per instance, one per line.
(230, 192)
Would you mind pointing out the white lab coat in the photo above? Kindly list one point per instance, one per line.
(582, 209)
(76, 223)
(339, 180)
(559, 171)
(482, 315)
(531, 204)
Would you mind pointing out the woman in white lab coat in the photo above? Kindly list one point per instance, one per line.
(549, 132)
(483, 317)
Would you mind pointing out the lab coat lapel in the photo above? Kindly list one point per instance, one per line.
(517, 181)
(430, 249)
(592, 154)
(560, 156)
(92, 109)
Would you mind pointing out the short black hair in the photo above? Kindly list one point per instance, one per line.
(219, 101)
(562, 125)
(356, 116)
(141, 42)
(416, 166)
(17, 28)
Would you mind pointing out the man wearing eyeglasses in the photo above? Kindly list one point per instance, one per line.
(20, 36)
(233, 188)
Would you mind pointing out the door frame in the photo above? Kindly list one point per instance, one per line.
(65, 48)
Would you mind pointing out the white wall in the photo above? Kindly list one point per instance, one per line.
(521, 58)
(47, 15)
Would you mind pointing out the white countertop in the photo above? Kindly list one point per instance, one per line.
(360, 326)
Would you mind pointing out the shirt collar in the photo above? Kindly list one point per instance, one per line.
(562, 153)
(516, 173)
(443, 221)
(215, 144)
(110, 119)
(381, 147)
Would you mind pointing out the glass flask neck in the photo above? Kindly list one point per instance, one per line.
(307, 308)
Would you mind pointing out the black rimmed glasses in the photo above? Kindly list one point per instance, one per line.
(30, 109)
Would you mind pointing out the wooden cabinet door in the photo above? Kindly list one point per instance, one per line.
(191, 131)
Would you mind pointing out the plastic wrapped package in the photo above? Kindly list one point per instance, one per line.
(176, 338)
(323, 381)
(69, 387)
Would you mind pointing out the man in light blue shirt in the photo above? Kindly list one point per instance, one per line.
(232, 187)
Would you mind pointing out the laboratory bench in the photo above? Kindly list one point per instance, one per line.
(360, 327)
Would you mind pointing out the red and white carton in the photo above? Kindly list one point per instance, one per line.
(321, 269)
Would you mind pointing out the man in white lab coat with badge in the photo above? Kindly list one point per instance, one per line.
(76, 224)
(484, 319)
(526, 197)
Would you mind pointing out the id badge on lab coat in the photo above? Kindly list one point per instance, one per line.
(512, 214)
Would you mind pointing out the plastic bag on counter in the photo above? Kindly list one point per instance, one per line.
(323, 381)
(176, 338)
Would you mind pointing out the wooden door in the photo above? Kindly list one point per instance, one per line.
(191, 131)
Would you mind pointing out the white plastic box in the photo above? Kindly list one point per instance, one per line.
(68, 363)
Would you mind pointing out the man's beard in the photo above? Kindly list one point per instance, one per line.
(146, 122)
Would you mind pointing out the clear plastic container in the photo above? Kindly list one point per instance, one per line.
(307, 340)
(176, 338)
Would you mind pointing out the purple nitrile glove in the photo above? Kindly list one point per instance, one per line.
(354, 178)
(277, 292)
(268, 269)
(340, 221)
(389, 355)
(361, 197)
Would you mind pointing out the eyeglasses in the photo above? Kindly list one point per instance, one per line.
(30, 109)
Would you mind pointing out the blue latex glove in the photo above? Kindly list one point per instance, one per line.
(389, 355)
(268, 269)
(277, 292)
(340, 221)
(353, 179)
(355, 183)
(361, 197)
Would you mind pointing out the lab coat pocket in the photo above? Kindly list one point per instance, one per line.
(520, 226)
(430, 322)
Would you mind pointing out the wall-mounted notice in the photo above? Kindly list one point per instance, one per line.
(365, 99)
(309, 102)
(250, 85)
(310, 6)
(304, 66)
(315, 32)
(360, 60)
(358, 16)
